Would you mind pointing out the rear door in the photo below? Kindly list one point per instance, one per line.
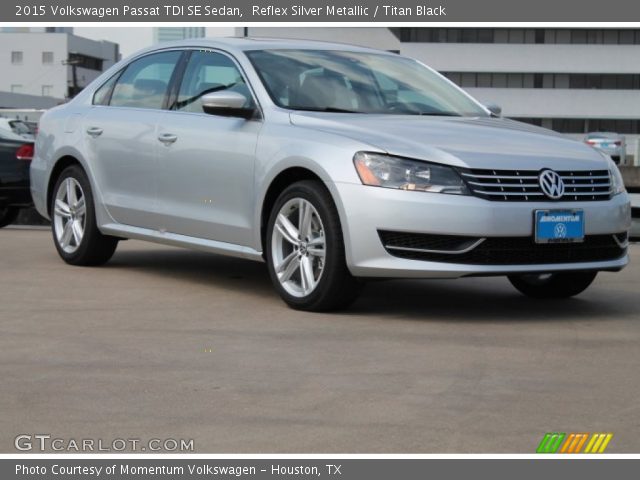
(121, 137)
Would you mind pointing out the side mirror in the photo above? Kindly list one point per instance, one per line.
(495, 110)
(226, 103)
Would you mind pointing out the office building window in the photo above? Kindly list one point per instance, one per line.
(47, 58)
(595, 81)
(587, 36)
(85, 61)
(16, 88)
(16, 58)
(585, 125)
(47, 90)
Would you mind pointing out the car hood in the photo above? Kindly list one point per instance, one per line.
(474, 142)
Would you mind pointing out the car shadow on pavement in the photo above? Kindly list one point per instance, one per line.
(485, 299)
(202, 268)
(471, 299)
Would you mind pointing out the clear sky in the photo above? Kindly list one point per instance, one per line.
(132, 39)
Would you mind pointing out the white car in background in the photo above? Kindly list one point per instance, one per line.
(609, 143)
(17, 127)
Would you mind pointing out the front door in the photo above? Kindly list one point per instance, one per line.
(206, 162)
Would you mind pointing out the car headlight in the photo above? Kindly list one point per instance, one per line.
(617, 182)
(392, 172)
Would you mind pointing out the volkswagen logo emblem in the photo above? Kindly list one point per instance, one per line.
(551, 184)
(560, 230)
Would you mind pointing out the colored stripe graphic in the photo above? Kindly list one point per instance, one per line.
(573, 442)
(551, 442)
(598, 443)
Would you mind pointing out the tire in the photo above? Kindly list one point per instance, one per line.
(553, 285)
(330, 286)
(73, 221)
(8, 215)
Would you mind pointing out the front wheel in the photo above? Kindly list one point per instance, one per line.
(553, 285)
(305, 250)
(8, 216)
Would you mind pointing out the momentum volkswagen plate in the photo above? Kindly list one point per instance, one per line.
(559, 226)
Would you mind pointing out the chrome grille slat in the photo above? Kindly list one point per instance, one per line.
(532, 194)
(595, 177)
(508, 185)
(523, 186)
(535, 177)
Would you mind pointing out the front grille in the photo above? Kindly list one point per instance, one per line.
(523, 185)
(501, 250)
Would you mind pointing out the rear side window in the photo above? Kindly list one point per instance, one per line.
(145, 82)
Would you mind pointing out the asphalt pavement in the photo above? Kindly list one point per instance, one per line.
(169, 343)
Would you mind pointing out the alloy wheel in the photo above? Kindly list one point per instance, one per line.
(69, 215)
(298, 247)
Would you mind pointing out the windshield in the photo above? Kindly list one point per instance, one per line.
(358, 82)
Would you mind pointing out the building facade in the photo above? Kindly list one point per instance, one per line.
(54, 64)
(573, 81)
(169, 34)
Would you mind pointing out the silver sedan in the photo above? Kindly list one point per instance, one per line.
(333, 164)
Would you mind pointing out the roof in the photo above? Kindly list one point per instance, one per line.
(254, 43)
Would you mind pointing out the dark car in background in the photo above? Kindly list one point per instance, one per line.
(15, 158)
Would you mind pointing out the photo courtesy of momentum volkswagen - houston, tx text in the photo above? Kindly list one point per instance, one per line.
(334, 164)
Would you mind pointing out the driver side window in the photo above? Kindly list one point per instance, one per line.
(209, 72)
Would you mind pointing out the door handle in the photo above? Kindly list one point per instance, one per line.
(94, 131)
(167, 138)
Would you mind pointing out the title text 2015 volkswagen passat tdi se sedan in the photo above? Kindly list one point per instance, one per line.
(332, 163)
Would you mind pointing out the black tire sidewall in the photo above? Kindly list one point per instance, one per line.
(91, 231)
(316, 193)
(559, 285)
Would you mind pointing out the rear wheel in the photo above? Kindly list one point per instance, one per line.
(8, 215)
(553, 285)
(305, 250)
(75, 231)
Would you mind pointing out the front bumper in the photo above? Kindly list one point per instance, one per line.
(365, 211)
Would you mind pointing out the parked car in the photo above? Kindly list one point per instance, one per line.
(15, 158)
(612, 144)
(33, 127)
(17, 127)
(334, 164)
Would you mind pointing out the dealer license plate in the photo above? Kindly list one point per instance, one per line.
(559, 226)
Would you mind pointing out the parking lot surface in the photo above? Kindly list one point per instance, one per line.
(169, 343)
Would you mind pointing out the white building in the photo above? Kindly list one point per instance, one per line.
(132, 39)
(51, 63)
(169, 34)
(570, 80)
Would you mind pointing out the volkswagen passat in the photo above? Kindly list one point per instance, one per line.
(332, 163)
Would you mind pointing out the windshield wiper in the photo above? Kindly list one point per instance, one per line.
(439, 114)
(325, 109)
